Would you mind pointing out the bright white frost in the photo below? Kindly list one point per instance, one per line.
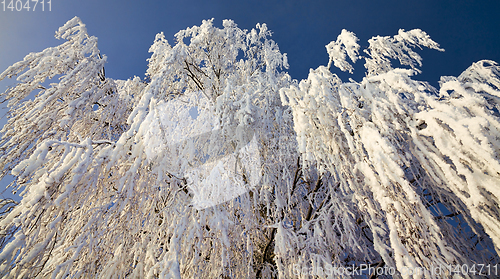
(392, 138)
(220, 166)
(185, 135)
(346, 43)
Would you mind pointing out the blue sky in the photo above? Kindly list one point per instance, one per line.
(468, 30)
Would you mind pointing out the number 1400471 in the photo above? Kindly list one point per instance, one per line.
(26, 5)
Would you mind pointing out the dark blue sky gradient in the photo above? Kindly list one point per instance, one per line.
(468, 30)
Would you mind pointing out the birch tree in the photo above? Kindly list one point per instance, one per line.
(220, 165)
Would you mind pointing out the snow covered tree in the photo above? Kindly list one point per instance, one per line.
(219, 165)
(420, 166)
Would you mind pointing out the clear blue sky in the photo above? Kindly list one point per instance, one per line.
(468, 30)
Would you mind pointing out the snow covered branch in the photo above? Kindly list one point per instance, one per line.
(222, 166)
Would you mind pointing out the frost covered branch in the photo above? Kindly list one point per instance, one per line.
(222, 166)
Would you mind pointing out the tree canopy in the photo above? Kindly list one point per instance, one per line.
(220, 165)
